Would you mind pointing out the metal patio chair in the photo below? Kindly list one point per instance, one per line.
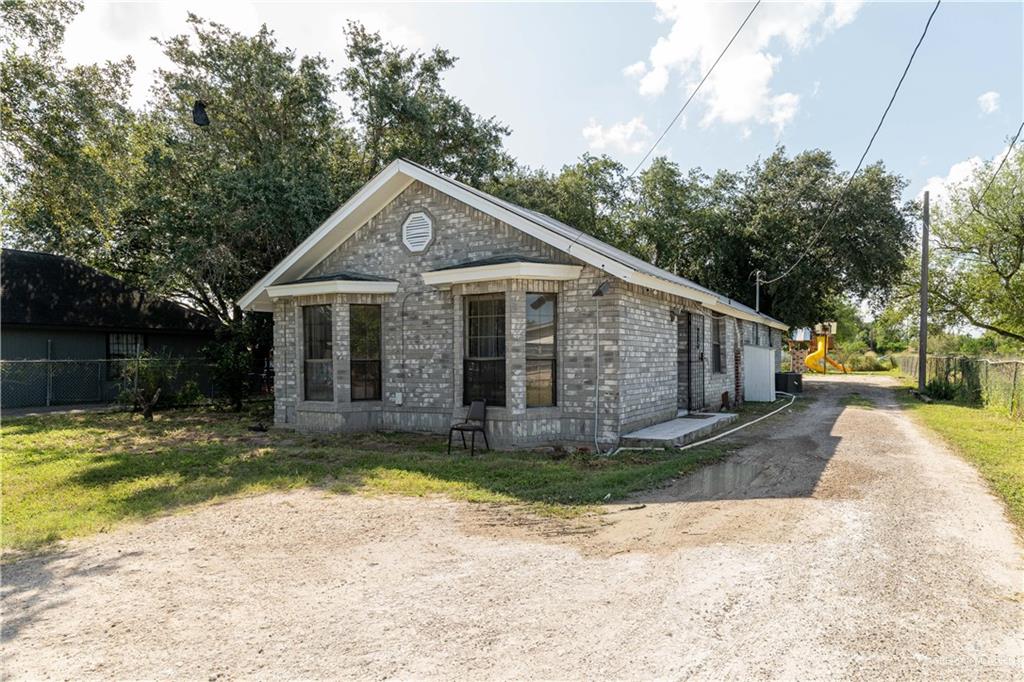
(475, 422)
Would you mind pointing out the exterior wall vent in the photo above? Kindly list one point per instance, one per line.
(417, 231)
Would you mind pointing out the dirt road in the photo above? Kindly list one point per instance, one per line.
(841, 543)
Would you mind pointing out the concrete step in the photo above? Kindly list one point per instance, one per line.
(679, 431)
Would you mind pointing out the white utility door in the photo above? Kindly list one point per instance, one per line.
(758, 374)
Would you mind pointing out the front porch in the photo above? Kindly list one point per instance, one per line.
(685, 428)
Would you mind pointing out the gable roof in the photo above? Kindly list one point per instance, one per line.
(399, 174)
(45, 290)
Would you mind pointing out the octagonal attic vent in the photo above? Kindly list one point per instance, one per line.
(417, 231)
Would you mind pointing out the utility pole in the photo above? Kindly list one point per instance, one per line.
(922, 340)
(757, 290)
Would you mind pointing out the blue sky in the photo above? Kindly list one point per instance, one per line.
(606, 78)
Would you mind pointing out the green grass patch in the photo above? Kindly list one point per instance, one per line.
(892, 372)
(72, 475)
(857, 400)
(993, 442)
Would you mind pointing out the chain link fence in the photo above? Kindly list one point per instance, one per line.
(998, 384)
(50, 383)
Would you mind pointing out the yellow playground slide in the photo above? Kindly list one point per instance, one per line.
(814, 360)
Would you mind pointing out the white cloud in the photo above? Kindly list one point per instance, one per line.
(989, 102)
(740, 90)
(631, 137)
(940, 187)
(113, 31)
(635, 70)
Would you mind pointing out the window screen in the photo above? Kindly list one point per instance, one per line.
(483, 369)
(718, 344)
(318, 365)
(364, 349)
(541, 369)
(122, 347)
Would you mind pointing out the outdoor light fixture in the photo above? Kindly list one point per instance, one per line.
(602, 289)
(199, 116)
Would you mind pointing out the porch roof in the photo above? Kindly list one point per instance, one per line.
(334, 283)
(508, 266)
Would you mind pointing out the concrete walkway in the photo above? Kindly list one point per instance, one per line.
(679, 431)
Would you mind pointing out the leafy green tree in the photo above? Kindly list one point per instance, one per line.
(790, 217)
(977, 258)
(891, 331)
(674, 214)
(227, 201)
(593, 195)
(401, 109)
(67, 139)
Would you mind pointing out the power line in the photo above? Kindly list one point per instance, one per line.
(695, 90)
(681, 110)
(849, 182)
(981, 199)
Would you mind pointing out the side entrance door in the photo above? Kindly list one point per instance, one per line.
(695, 363)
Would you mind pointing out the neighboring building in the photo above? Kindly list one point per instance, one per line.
(52, 308)
(422, 293)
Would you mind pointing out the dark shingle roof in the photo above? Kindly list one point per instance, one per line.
(45, 290)
(495, 260)
(341, 277)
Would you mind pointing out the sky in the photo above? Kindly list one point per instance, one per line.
(571, 78)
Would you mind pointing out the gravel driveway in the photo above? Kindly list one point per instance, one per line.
(840, 543)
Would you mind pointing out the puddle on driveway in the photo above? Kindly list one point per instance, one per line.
(728, 480)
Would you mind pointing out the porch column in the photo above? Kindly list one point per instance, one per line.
(515, 349)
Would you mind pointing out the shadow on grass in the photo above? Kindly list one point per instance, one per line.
(115, 466)
(76, 474)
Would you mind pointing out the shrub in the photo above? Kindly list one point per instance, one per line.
(940, 389)
(147, 382)
(869, 361)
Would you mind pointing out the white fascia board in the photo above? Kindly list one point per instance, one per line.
(486, 273)
(333, 286)
(726, 309)
(363, 205)
(652, 282)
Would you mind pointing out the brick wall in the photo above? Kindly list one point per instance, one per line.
(423, 338)
(640, 382)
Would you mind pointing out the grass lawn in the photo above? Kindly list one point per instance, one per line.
(857, 400)
(991, 441)
(72, 475)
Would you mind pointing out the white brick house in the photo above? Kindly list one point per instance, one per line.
(421, 293)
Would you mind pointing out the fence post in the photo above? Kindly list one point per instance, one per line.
(99, 381)
(1013, 391)
(49, 372)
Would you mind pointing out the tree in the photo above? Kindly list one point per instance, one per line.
(796, 222)
(67, 139)
(978, 255)
(592, 195)
(401, 109)
(226, 202)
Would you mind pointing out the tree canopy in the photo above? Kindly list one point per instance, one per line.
(200, 213)
(718, 229)
(977, 257)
